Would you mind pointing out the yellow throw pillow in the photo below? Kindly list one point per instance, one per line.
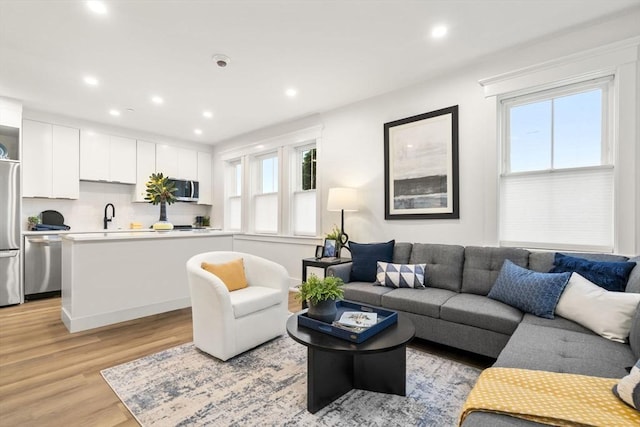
(231, 273)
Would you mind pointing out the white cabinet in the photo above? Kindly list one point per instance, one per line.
(187, 164)
(176, 162)
(167, 160)
(145, 166)
(66, 163)
(10, 113)
(94, 156)
(205, 179)
(50, 160)
(122, 160)
(107, 158)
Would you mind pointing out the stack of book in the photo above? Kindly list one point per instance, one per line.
(356, 321)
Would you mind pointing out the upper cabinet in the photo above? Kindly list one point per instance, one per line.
(107, 158)
(145, 166)
(50, 160)
(205, 179)
(176, 162)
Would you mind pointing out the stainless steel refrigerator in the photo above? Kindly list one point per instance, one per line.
(10, 292)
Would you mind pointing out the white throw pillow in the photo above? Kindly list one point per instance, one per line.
(606, 313)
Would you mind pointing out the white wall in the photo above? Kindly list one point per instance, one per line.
(351, 150)
(87, 212)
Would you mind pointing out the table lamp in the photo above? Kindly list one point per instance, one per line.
(342, 199)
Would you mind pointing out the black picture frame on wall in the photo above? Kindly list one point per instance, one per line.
(421, 166)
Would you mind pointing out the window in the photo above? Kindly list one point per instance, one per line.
(271, 185)
(304, 191)
(265, 199)
(234, 195)
(556, 186)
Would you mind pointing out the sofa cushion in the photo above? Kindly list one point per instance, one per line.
(481, 312)
(557, 322)
(444, 264)
(402, 252)
(253, 298)
(634, 334)
(365, 257)
(425, 302)
(628, 388)
(543, 261)
(482, 265)
(530, 291)
(400, 275)
(633, 284)
(364, 292)
(606, 313)
(558, 350)
(612, 276)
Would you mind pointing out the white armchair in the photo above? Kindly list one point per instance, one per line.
(225, 323)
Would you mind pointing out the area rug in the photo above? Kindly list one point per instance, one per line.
(267, 386)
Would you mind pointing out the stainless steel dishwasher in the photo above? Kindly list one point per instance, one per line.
(42, 266)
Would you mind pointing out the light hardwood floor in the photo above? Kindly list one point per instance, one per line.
(49, 377)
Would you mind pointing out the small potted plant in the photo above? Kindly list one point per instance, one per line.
(32, 221)
(160, 190)
(321, 295)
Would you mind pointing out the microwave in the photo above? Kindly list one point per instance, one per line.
(187, 191)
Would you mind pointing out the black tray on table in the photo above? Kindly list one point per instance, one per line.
(386, 318)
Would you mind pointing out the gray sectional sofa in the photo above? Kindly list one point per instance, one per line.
(454, 310)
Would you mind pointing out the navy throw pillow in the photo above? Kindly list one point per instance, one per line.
(612, 276)
(365, 257)
(529, 291)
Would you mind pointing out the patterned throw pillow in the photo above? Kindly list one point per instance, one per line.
(400, 275)
(628, 389)
(529, 291)
(612, 276)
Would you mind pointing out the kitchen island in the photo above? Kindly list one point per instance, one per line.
(113, 277)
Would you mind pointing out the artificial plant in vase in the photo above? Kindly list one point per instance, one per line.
(160, 191)
(321, 295)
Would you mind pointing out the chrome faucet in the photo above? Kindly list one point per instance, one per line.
(106, 220)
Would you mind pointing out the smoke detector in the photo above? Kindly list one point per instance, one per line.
(221, 60)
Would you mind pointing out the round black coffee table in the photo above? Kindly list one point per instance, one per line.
(335, 366)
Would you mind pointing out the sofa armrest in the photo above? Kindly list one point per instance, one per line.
(342, 271)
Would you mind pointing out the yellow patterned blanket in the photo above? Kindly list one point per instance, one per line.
(549, 398)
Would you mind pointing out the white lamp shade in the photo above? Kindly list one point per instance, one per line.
(342, 199)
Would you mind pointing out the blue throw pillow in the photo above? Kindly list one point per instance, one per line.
(529, 291)
(612, 276)
(365, 257)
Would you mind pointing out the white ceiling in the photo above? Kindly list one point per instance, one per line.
(333, 52)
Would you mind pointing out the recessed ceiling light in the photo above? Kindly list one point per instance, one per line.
(438, 31)
(90, 80)
(197, 131)
(157, 99)
(114, 112)
(291, 92)
(207, 114)
(259, 146)
(96, 6)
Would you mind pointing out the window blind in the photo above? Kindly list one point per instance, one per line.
(563, 209)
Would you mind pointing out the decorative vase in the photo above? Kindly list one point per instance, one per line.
(163, 224)
(324, 311)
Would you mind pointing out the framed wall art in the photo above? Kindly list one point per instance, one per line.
(421, 166)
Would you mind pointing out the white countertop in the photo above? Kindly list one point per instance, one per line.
(99, 231)
(143, 235)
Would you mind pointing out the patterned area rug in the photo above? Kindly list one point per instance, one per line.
(267, 386)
